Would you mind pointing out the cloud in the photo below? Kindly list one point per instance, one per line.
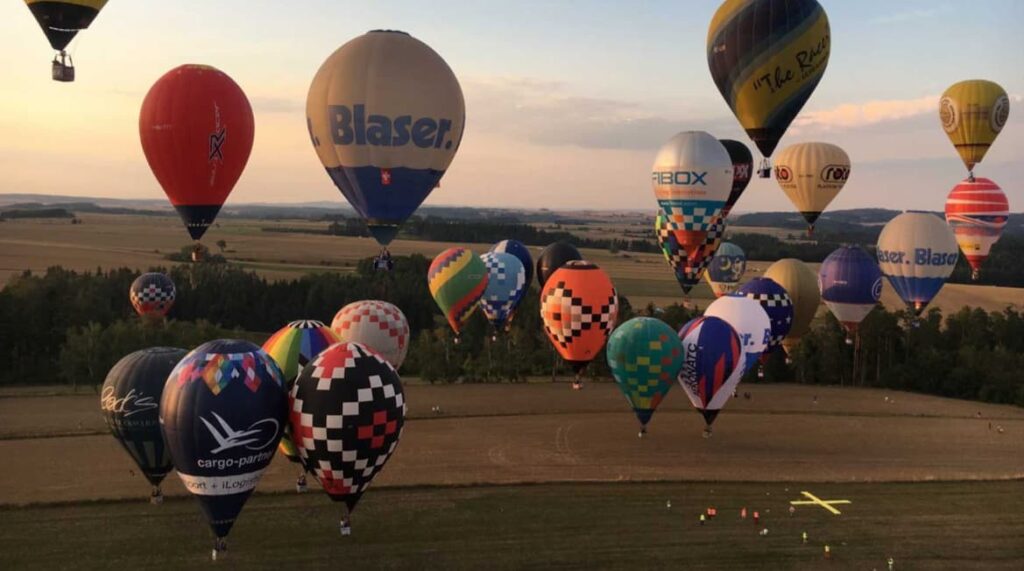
(869, 113)
(913, 15)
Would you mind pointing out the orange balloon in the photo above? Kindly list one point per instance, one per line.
(579, 307)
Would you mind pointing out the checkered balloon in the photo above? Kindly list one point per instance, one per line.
(347, 412)
(579, 307)
(378, 325)
(688, 251)
(775, 301)
(506, 284)
(152, 294)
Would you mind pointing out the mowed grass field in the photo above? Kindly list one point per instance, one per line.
(539, 476)
(141, 242)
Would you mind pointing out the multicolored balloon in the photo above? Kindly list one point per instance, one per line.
(152, 294)
(801, 283)
(811, 175)
(776, 303)
(554, 257)
(688, 266)
(223, 413)
(645, 356)
(347, 412)
(973, 113)
(457, 280)
(519, 250)
(977, 211)
(385, 114)
(506, 284)
(579, 307)
(130, 400)
(750, 322)
(917, 251)
(742, 170)
(726, 269)
(766, 57)
(712, 365)
(376, 325)
(196, 128)
(851, 285)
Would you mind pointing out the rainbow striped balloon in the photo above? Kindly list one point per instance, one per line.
(977, 212)
(457, 280)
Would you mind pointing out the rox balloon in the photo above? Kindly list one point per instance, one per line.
(352, 126)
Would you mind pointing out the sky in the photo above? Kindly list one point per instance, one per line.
(566, 101)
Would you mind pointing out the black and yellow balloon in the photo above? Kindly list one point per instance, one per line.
(61, 20)
(766, 57)
(973, 113)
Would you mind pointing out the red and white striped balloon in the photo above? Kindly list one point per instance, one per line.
(977, 211)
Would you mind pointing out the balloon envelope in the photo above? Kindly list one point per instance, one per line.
(726, 269)
(385, 115)
(692, 178)
(553, 257)
(850, 284)
(347, 412)
(776, 303)
(223, 412)
(152, 293)
(130, 400)
(376, 325)
(712, 364)
(579, 307)
(801, 283)
(742, 170)
(811, 175)
(973, 114)
(196, 128)
(457, 280)
(766, 57)
(917, 252)
(519, 250)
(977, 211)
(750, 322)
(644, 356)
(62, 20)
(688, 253)
(506, 284)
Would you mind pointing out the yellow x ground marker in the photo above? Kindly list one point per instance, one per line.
(816, 501)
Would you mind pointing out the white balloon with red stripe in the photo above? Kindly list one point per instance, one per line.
(377, 325)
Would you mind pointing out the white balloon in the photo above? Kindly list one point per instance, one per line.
(752, 326)
(917, 251)
(692, 178)
(378, 325)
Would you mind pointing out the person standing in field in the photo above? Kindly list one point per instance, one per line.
(743, 512)
(702, 519)
(804, 535)
(792, 510)
(828, 552)
(757, 517)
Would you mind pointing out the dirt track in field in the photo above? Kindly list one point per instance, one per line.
(501, 434)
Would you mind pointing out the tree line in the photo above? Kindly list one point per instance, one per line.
(63, 326)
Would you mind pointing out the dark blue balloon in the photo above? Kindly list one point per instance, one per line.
(850, 275)
(519, 250)
(776, 303)
(223, 412)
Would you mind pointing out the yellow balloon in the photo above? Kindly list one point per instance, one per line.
(973, 113)
(801, 283)
(811, 175)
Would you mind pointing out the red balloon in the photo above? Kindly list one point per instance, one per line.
(196, 127)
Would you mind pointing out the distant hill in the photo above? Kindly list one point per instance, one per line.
(855, 220)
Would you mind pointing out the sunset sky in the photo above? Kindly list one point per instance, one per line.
(566, 102)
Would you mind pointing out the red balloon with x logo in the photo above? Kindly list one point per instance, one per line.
(196, 128)
(347, 412)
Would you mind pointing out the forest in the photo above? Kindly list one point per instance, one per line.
(71, 327)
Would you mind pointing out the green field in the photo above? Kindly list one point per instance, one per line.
(627, 526)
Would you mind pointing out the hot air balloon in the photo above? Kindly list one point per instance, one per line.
(801, 283)
(692, 179)
(292, 347)
(130, 400)
(811, 175)
(712, 365)
(579, 306)
(457, 280)
(519, 250)
(777, 305)
(645, 356)
(61, 21)
(152, 294)
(973, 113)
(223, 413)
(688, 266)
(977, 211)
(917, 252)
(506, 285)
(347, 411)
(851, 285)
(742, 170)
(726, 269)
(553, 257)
(385, 115)
(376, 325)
(196, 127)
(750, 322)
(766, 57)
